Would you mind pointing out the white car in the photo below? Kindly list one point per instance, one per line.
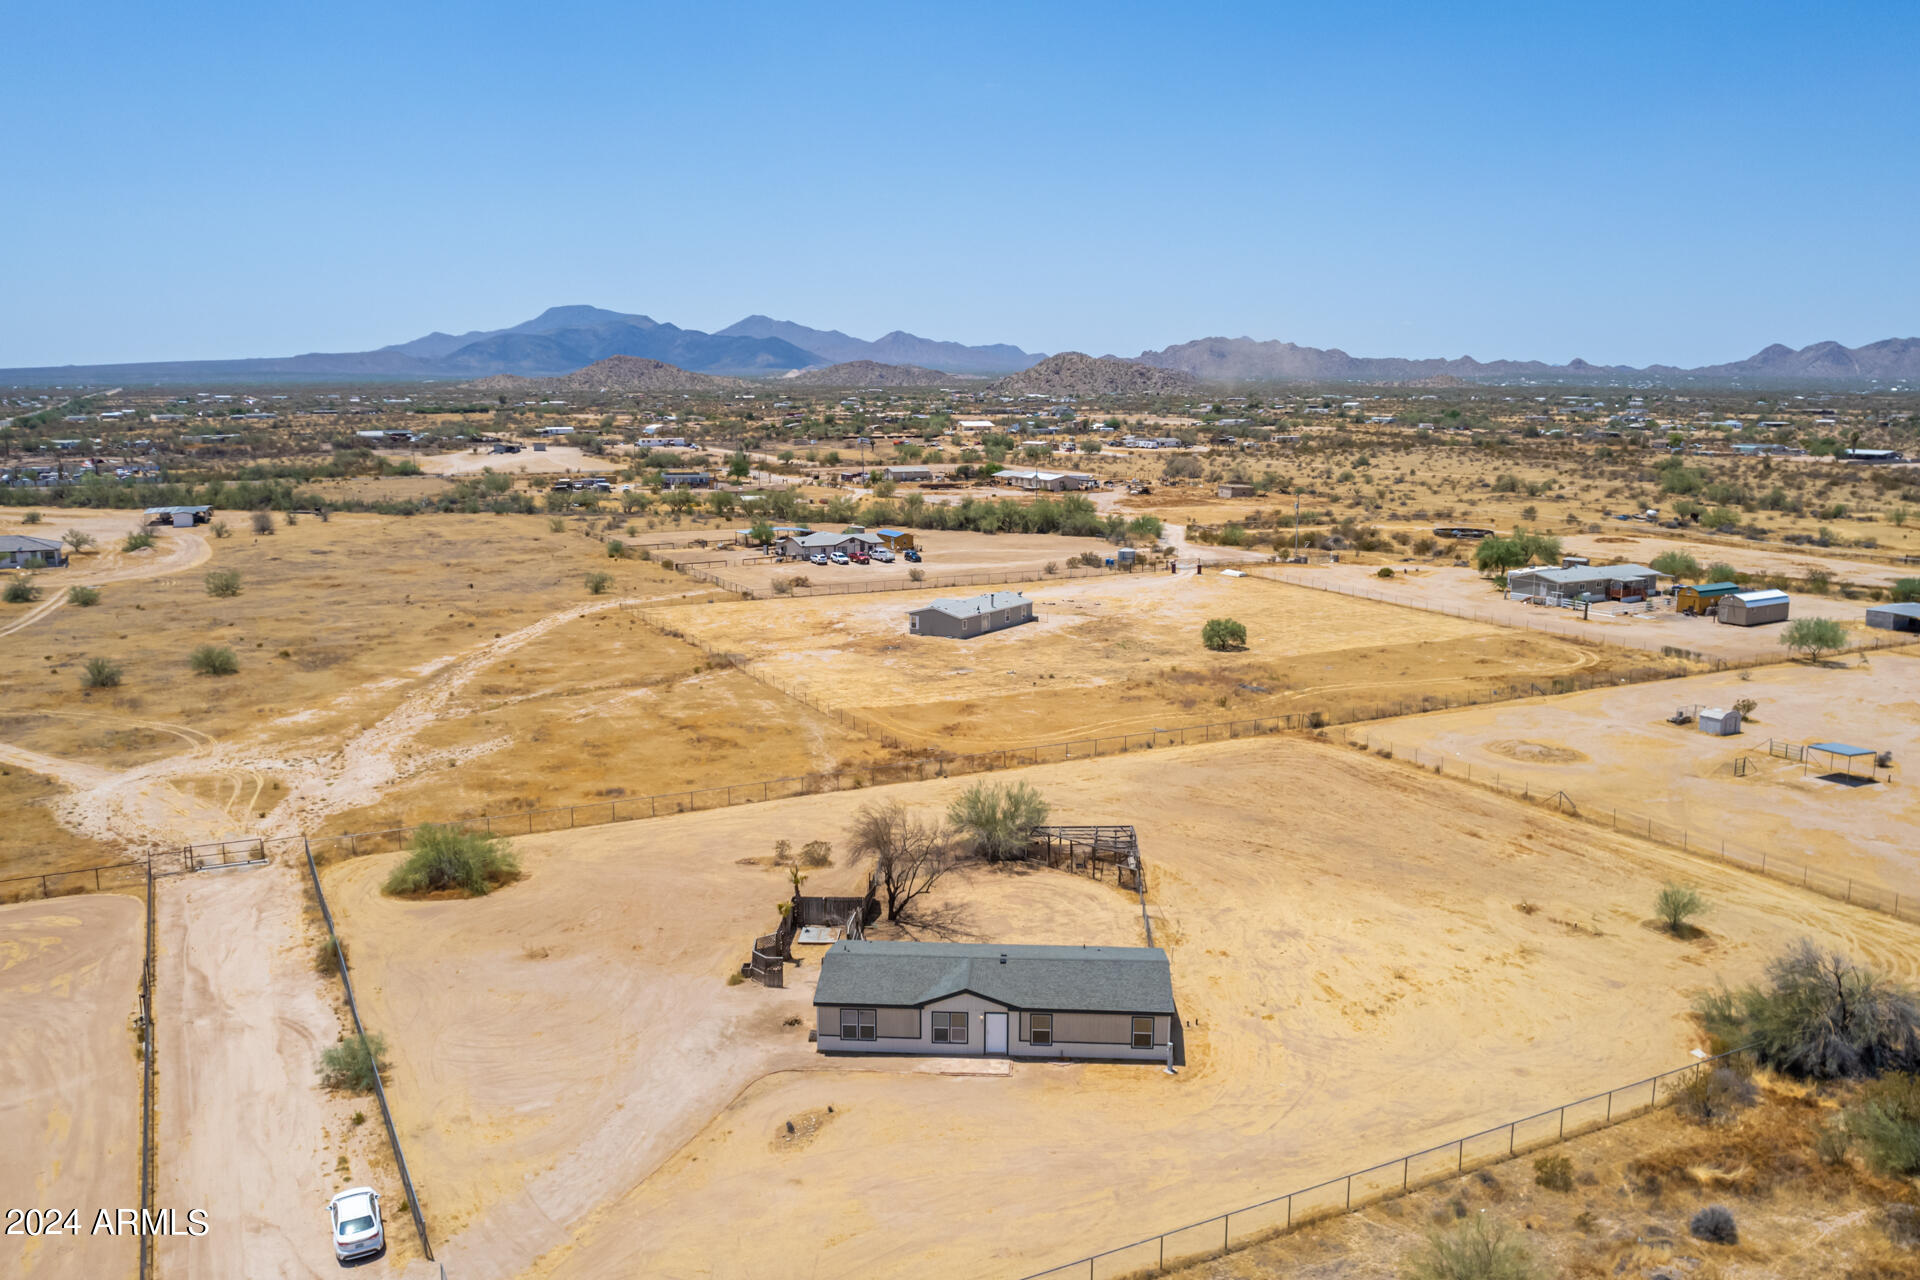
(883, 555)
(818, 557)
(356, 1224)
(839, 557)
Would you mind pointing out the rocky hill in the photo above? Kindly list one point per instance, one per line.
(1073, 374)
(615, 373)
(871, 373)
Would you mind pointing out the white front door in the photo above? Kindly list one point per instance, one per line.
(996, 1033)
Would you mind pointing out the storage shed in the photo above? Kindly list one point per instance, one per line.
(1721, 722)
(1704, 598)
(1754, 608)
(989, 1000)
(1235, 489)
(1894, 617)
(975, 616)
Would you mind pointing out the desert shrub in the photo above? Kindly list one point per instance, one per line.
(138, 540)
(78, 539)
(1714, 1224)
(1476, 1249)
(326, 961)
(917, 574)
(213, 660)
(1383, 572)
(1677, 904)
(262, 522)
(1051, 567)
(31, 517)
(1906, 590)
(291, 518)
(816, 853)
(556, 524)
(100, 673)
(21, 590)
(616, 549)
(1555, 1173)
(224, 583)
(1221, 634)
(1885, 1122)
(220, 529)
(1086, 559)
(1676, 564)
(1712, 1093)
(597, 583)
(996, 817)
(440, 858)
(1720, 571)
(1814, 636)
(1820, 581)
(85, 597)
(355, 1064)
(783, 586)
(1817, 1015)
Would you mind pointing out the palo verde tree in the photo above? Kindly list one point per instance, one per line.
(1814, 637)
(996, 817)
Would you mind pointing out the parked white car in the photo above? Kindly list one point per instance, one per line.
(357, 1232)
(818, 557)
(839, 557)
(883, 555)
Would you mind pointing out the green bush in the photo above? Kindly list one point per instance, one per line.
(597, 583)
(326, 961)
(442, 858)
(354, 1065)
(1383, 572)
(1885, 1122)
(616, 549)
(997, 816)
(224, 583)
(1676, 905)
(220, 529)
(1477, 1249)
(1221, 634)
(1555, 1173)
(1676, 564)
(1720, 571)
(85, 597)
(139, 540)
(1906, 590)
(100, 673)
(1818, 1016)
(21, 590)
(213, 660)
(31, 517)
(1814, 636)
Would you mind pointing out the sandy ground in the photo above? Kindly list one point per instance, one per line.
(174, 551)
(555, 459)
(1353, 975)
(1462, 591)
(1122, 654)
(70, 1078)
(244, 1130)
(32, 840)
(1612, 748)
(943, 555)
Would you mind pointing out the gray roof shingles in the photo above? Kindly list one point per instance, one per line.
(1069, 979)
(973, 606)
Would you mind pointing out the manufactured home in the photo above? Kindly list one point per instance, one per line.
(1049, 481)
(1624, 582)
(974, 616)
(20, 552)
(987, 1000)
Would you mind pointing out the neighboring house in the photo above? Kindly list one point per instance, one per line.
(685, 480)
(1894, 617)
(1051, 481)
(974, 616)
(179, 517)
(1627, 582)
(1468, 532)
(553, 431)
(779, 531)
(1754, 608)
(904, 474)
(20, 552)
(984, 1000)
(801, 546)
(1233, 489)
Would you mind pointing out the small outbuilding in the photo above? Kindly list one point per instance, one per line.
(974, 616)
(894, 539)
(988, 1000)
(179, 517)
(20, 552)
(1894, 617)
(1704, 598)
(1721, 722)
(1234, 489)
(1754, 608)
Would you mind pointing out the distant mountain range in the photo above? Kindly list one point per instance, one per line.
(1245, 360)
(558, 341)
(1072, 374)
(562, 340)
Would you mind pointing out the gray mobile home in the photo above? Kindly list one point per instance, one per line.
(20, 552)
(975, 616)
(1597, 582)
(984, 1000)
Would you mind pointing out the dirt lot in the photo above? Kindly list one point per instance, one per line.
(1353, 975)
(555, 459)
(70, 1078)
(1119, 654)
(1457, 591)
(1642, 547)
(945, 555)
(32, 841)
(1612, 748)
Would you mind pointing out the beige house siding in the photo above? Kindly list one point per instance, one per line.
(1075, 1035)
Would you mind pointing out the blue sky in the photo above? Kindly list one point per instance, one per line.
(1625, 183)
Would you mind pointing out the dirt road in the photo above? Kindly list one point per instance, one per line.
(70, 1078)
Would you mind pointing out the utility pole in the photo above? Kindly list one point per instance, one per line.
(1296, 524)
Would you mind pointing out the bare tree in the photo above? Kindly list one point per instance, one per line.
(909, 853)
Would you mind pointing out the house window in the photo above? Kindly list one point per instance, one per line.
(949, 1027)
(1041, 1029)
(858, 1024)
(1143, 1033)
